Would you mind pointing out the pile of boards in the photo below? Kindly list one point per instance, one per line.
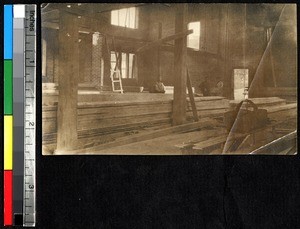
(113, 119)
(282, 121)
(104, 124)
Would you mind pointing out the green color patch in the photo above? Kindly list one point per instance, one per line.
(8, 87)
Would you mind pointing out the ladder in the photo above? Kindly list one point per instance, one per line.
(115, 76)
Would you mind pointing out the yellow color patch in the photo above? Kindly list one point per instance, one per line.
(8, 142)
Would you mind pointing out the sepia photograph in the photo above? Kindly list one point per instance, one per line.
(169, 79)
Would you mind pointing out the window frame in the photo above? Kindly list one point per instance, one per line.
(136, 15)
(198, 36)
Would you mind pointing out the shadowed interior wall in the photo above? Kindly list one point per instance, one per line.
(200, 63)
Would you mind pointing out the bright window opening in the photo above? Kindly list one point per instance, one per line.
(193, 39)
(241, 83)
(125, 17)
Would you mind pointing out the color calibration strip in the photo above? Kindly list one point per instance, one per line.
(19, 88)
(8, 115)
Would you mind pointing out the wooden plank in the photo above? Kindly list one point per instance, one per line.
(92, 121)
(107, 110)
(49, 126)
(262, 101)
(68, 82)
(109, 125)
(158, 42)
(119, 111)
(52, 15)
(120, 128)
(278, 145)
(116, 122)
(99, 136)
(120, 103)
(208, 113)
(281, 108)
(159, 78)
(210, 142)
(199, 136)
(50, 25)
(216, 141)
(191, 96)
(180, 63)
(273, 68)
(89, 106)
(150, 135)
(55, 26)
(105, 116)
(123, 115)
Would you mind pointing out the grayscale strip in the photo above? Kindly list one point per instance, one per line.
(18, 120)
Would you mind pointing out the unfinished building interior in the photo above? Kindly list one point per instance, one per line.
(168, 79)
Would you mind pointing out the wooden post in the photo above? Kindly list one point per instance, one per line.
(96, 59)
(158, 52)
(191, 95)
(180, 59)
(67, 83)
(269, 37)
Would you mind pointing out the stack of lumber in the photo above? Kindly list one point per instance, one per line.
(149, 135)
(278, 109)
(282, 116)
(206, 144)
(262, 102)
(98, 119)
(115, 117)
(213, 106)
(52, 98)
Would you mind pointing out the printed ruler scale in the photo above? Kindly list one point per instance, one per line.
(29, 207)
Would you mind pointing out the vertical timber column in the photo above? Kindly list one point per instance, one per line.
(67, 82)
(159, 52)
(180, 58)
(96, 59)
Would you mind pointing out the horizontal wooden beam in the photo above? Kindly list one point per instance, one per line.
(50, 15)
(55, 26)
(98, 24)
(192, 52)
(163, 40)
(50, 25)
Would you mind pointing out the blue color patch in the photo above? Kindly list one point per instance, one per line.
(8, 32)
